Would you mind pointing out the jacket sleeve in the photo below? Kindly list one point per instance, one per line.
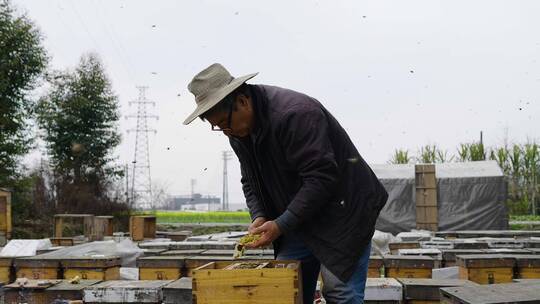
(304, 135)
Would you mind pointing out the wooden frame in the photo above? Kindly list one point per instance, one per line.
(5, 212)
(426, 197)
(142, 227)
(88, 224)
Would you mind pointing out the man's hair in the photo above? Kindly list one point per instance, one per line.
(229, 101)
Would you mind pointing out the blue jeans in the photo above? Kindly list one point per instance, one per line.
(334, 290)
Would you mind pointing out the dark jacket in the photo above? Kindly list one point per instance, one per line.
(300, 168)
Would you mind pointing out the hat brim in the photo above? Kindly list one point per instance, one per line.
(215, 98)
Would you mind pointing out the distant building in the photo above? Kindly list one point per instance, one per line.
(194, 202)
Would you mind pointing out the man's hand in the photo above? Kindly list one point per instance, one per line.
(256, 223)
(269, 231)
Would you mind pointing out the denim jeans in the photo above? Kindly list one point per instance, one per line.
(334, 290)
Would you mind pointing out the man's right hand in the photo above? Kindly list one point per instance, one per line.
(256, 223)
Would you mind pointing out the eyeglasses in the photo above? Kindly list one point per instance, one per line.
(229, 117)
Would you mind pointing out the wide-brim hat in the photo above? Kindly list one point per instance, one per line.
(210, 86)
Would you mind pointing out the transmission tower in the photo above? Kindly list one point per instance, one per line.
(141, 181)
(225, 197)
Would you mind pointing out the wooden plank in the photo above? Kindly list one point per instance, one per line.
(58, 227)
(426, 197)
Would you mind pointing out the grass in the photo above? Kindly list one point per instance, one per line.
(525, 217)
(202, 217)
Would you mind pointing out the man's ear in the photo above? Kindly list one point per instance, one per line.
(243, 100)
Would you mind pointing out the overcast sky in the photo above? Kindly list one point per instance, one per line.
(396, 74)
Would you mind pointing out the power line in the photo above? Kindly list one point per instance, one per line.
(141, 182)
(115, 41)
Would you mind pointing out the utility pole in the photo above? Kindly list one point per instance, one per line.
(141, 181)
(225, 196)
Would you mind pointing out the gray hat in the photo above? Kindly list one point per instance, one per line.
(210, 86)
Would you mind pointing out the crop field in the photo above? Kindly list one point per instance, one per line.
(202, 217)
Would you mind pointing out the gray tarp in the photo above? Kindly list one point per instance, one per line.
(470, 196)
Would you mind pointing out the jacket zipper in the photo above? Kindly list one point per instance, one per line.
(254, 165)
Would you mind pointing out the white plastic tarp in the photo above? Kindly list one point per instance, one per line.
(126, 250)
(24, 248)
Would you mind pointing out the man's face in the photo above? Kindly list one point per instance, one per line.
(241, 119)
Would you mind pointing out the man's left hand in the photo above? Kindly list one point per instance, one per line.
(269, 231)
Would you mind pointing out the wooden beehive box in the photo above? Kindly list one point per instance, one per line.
(161, 267)
(416, 291)
(92, 268)
(434, 253)
(142, 227)
(125, 292)
(38, 268)
(402, 266)
(66, 291)
(6, 270)
(394, 247)
(486, 268)
(28, 291)
(527, 266)
(374, 267)
(250, 282)
(514, 293)
(449, 255)
(5, 215)
(383, 290)
(178, 292)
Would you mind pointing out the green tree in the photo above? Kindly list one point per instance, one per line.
(79, 117)
(22, 61)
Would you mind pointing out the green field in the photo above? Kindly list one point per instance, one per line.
(202, 217)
